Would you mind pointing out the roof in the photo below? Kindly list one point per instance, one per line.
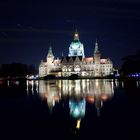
(68, 58)
(88, 59)
(57, 61)
(106, 61)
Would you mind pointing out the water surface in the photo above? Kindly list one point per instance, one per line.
(62, 109)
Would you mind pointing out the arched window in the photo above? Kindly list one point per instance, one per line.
(77, 68)
(64, 68)
(70, 68)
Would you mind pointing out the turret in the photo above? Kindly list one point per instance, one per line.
(50, 56)
(96, 47)
(97, 54)
(97, 57)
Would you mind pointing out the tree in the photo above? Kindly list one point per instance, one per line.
(131, 64)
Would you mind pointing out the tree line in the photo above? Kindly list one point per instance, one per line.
(16, 69)
(131, 64)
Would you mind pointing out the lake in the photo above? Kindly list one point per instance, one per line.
(75, 109)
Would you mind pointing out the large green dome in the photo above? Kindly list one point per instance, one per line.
(76, 48)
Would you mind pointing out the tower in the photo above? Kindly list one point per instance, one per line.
(50, 56)
(50, 59)
(97, 57)
(76, 47)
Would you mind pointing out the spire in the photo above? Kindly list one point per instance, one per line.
(76, 35)
(62, 54)
(96, 47)
(50, 54)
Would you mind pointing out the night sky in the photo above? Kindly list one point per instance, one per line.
(27, 28)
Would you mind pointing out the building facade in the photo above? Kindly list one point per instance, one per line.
(76, 62)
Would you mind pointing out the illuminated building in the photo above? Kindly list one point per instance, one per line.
(76, 62)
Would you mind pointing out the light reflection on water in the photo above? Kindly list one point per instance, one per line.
(78, 92)
(32, 85)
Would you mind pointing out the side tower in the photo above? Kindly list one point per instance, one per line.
(42, 69)
(97, 57)
(50, 59)
(50, 56)
(45, 67)
(76, 47)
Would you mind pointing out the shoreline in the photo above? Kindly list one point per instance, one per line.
(70, 78)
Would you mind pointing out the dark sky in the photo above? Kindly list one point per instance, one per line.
(27, 28)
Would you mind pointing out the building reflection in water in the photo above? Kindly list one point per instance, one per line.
(32, 86)
(78, 92)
